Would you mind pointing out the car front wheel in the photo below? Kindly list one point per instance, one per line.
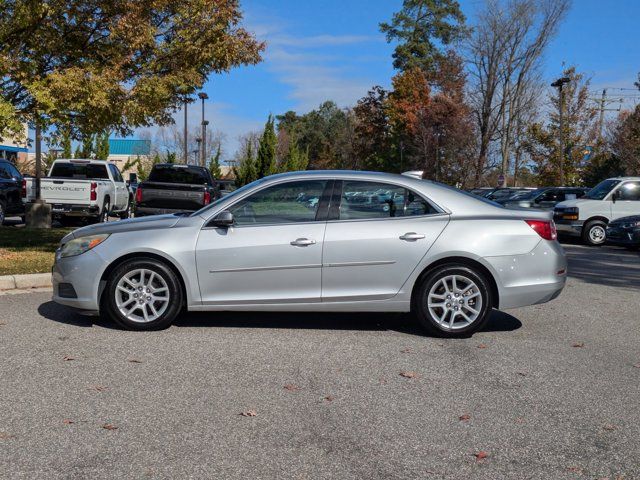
(594, 233)
(143, 294)
(453, 301)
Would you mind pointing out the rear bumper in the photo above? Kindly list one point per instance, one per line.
(573, 228)
(536, 277)
(146, 211)
(60, 209)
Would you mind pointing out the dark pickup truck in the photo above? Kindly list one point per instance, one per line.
(173, 188)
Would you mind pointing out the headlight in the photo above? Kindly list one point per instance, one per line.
(80, 245)
(630, 225)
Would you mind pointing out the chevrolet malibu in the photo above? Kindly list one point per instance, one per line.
(306, 242)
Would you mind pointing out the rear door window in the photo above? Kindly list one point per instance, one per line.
(371, 200)
(630, 191)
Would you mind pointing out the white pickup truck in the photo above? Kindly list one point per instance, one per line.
(93, 189)
(588, 216)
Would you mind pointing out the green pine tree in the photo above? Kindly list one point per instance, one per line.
(266, 160)
(65, 143)
(214, 164)
(171, 157)
(246, 172)
(87, 147)
(78, 152)
(294, 157)
(102, 146)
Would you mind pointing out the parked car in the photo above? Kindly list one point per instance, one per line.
(10, 191)
(545, 198)
(588, 217)
(79, 188)
(624, 231)
(260, 249)
(173, 188)
(482, 191)
(501, 194)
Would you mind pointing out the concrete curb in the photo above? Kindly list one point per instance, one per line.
(21, 282)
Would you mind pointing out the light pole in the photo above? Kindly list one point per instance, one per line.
(197, 151)
(559, 83)
(203, 96)
(186, 135)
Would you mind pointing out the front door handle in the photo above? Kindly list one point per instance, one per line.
(412, 236)
(303, 242)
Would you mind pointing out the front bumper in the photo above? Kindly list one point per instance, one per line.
(83, 273)
(623, 236)
(536, 277)
(569, 227)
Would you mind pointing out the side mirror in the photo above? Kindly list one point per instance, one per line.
(222, 220)
(617, 195)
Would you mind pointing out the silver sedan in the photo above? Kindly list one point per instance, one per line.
(327, 241)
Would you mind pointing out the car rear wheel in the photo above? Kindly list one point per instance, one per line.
(594, 233)
(453, 301)
(124, 215)
(143, 294)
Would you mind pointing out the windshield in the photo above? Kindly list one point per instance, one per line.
(601, 190)
(229, 196)
(79, 170)
(177, 174)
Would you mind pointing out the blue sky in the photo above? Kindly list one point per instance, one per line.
(331, 49)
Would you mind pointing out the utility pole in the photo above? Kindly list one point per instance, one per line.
(601, 118)
(186, 135)
(559, 84)
(38, 159)
(203, 130)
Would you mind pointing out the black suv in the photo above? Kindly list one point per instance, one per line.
(10, 191)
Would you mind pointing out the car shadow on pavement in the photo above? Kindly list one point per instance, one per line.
(398, 322)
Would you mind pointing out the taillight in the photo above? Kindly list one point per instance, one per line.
(24, 189)
(94, 194)
(138, 195)
(207, 198)
(545, 228)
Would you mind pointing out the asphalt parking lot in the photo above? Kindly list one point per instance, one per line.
(545, 392)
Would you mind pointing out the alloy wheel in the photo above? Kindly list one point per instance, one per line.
(142, 295)
(455, 302)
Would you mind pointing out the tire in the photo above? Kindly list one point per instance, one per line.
(594, 233)
(104, 214)
(116, 303)
(436, 320)
(3, 210)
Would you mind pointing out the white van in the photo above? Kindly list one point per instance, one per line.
(588, 216)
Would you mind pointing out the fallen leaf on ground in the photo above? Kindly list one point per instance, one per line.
(522, 374)
(66, 421)
(98, 388)
(574, 470)
(291, 387)
(609, 427)
(464, 417)
(134, 360)
(2, 324)
(480, 455)
(382, 381)
(637, 365)
(249, 413)
(5, 436)
(408, 374)
(519, 420)
(68, 358)
(578, 345)
(405, 350)
(482, 345)
(63, 338)
(109, 426)
(329, 398)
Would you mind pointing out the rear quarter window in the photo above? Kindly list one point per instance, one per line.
(184, 175)
(80, 171)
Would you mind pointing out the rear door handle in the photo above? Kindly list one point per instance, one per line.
(303, 242)
(412, 236)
